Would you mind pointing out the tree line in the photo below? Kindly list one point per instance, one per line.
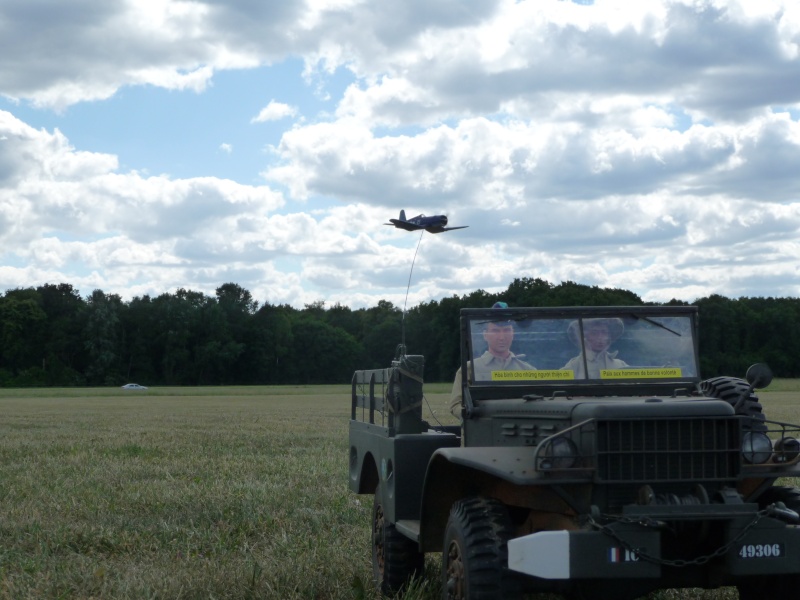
(51, 336)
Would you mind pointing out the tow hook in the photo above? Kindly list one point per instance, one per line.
(779, 511)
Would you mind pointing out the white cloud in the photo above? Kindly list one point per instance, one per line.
(488, 162)
(274, 111)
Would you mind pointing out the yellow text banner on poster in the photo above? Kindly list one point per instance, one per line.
(641, 373)
(543, 375)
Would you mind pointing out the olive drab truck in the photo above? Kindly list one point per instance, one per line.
(608, 469)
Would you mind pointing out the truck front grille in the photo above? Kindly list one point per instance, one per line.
(664, 450)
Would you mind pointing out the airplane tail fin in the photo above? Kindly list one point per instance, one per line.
(403, 215)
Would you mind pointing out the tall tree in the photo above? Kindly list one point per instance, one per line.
(274, 343)
(101, 338)
(22, 327)
(175, 314)
(215, 350)
(321, 353)
(238, 307)
(140, 334)
(63, 348)
(382, 330)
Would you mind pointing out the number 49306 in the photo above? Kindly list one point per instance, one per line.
(761, 551)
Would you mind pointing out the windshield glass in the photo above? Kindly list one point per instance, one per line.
(613, 348)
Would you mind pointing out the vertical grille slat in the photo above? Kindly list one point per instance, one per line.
(660, 450)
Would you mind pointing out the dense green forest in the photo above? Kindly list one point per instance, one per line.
(51, 336)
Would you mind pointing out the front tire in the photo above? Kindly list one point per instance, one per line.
(475, 552)
(395, 558)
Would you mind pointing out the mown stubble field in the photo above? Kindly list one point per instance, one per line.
(184, 493)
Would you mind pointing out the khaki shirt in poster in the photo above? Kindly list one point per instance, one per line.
(483, 367)
(597, 361)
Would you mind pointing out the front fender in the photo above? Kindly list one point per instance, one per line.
(512, 464)
(506, 474)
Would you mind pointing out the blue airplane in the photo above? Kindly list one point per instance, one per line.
(434, 224)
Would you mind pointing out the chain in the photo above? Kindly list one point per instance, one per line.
(648, 522)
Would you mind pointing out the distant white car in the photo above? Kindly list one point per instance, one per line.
(133, 386)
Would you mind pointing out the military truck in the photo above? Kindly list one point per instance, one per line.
(600, 470)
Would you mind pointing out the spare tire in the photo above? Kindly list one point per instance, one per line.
(731, 389)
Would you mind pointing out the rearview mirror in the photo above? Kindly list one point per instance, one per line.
(759, 376)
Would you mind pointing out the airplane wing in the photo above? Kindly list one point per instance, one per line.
(404, 225)
(439, 229)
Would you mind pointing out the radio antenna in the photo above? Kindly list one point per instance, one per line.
(405, 302)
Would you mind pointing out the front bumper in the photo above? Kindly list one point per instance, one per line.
(745, 542)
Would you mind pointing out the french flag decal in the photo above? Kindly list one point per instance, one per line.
(614, 555)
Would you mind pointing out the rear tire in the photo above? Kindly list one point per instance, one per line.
(395, 558)
(475, 552)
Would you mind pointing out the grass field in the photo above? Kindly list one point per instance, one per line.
(198, 493)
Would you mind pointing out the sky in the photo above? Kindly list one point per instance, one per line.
(152, 145)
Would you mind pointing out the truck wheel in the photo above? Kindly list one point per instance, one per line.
(395, 558)
(475, 552)
(731, 389)
(778, 585)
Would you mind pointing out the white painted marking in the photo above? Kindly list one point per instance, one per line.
(544, 554)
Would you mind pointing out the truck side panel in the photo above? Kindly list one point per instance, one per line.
(399, 463)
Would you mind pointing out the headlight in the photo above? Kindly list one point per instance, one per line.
(558, 453)
(756, 447)
(786, 450)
